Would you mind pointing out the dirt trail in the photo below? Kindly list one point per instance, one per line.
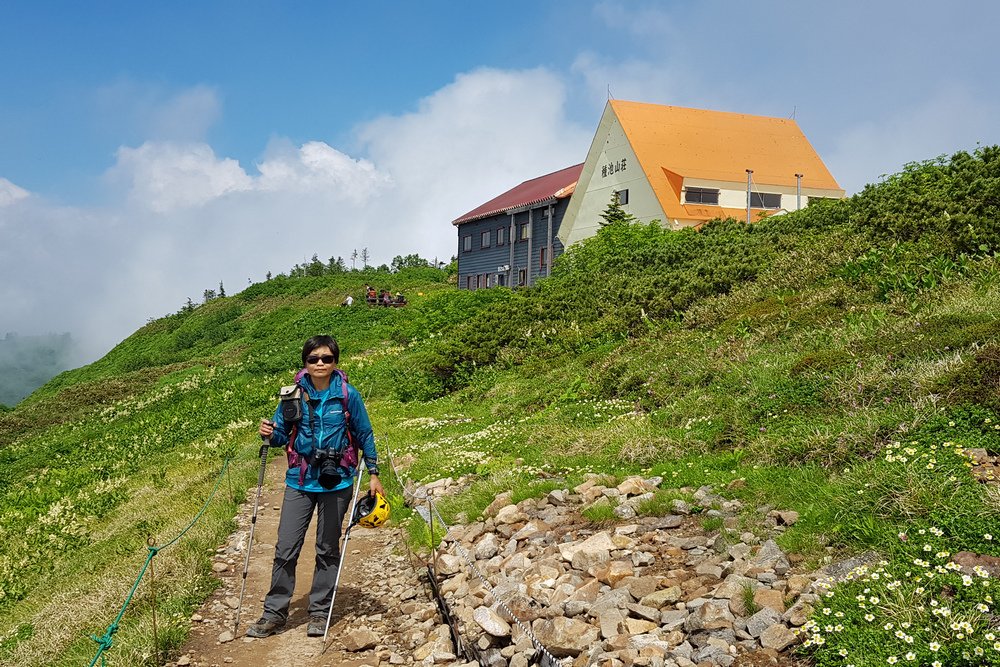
(375, 574)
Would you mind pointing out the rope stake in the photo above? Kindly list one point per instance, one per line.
(106, 641)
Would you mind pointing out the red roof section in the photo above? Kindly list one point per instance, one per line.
(556, 185)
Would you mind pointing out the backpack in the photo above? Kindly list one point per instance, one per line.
(292, 398)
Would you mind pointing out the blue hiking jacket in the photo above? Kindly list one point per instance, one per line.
(322, 427)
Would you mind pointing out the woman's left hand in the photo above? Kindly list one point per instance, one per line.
(375, 485)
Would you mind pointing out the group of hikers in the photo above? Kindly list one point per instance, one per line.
(375, 297)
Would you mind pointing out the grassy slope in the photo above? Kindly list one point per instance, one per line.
(790, 355)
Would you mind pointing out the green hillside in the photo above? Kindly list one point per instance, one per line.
(834, 361)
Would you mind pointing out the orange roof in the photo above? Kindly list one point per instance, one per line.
(675, 143)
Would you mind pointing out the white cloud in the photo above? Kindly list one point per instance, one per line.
(317, 167)
(10, 193)
(469, 141)
(105, 271)
(165, 176)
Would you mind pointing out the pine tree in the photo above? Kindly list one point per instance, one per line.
(614, 214)
(222, 290)
(364, 257)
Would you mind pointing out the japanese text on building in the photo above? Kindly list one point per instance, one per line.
(612, 168)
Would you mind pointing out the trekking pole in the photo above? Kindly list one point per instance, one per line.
(253, 524)
(343, 557)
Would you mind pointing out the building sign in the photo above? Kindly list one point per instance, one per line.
(612, 168)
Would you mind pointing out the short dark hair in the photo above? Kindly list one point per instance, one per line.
(321, 341)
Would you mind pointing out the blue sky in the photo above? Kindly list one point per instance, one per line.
(150, 150)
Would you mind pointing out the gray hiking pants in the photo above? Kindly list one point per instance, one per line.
(296, 512)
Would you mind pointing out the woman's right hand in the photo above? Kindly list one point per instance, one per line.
(266, 428)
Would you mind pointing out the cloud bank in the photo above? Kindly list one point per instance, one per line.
(180, 218)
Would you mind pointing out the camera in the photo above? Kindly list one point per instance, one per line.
(326, 462)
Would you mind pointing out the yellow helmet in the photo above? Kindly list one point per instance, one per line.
(371, 511)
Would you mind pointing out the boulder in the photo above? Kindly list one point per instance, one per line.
(491, 622)
(777, 637)
(359, 639)
(565, 636)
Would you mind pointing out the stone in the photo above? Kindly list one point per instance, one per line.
(734, 586)
(798, 614)
(788, 518)
(709, 569)
(672, 621)
(761, 621)
(532, 529)
(798, 583)
(681, 507)
(510, 515)
(226, 637)
(777, 637)
(618, 570)
(739, 551)
(359, 639)
(767, 597)
(638, 626)
(491, 622)
(771, 557)
(968, 561)
(447, 565)
(611, 622)
(634, 486)
(616, 599)
(647, 613)
(487, 547)
(565, 637)
(184, 660)
(669, 521)
(662, 597)
(710, 616)
(501, 501)
(219, 567)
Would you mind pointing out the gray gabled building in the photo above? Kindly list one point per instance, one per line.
(511, 239)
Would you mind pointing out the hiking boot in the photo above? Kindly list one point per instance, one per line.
(265, 627)
(317, 626)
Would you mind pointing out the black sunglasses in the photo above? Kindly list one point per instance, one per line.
(315, 358)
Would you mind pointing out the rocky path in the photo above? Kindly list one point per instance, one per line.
(636, 592)
(382, 612)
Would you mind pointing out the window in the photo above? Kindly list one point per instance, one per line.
(486, 239)
(468, 282)
(501, 279)
(543, 255)
(622, 196)
(522, 276)
(701, 196)
(479, 281)
(525, 232)
(765, 200)
(500, 236)
(467, 243)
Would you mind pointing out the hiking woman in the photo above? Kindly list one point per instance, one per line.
(321, 469)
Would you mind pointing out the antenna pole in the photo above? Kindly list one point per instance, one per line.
(798, 192)
(749, 176)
